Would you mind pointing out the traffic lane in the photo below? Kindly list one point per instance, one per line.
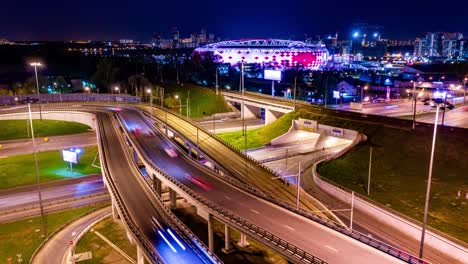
(72, 190)
(139, 205)
(331, 247)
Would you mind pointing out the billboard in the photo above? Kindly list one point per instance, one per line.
(70, 156)
(272, 75)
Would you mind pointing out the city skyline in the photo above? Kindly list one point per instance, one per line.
(88, 21)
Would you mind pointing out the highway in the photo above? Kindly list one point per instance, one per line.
(24, 146)
(141, 206)
(325, 243)
(229, 125)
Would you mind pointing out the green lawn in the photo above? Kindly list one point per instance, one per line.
(400, 169)
(24, 236)
(203, 101)
(260, 136)
(19, 170)
(102, 252)
(16, 129)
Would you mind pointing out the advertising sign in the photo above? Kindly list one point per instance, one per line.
(70, 156)
(272, 75)
(337, 132)
(307, 124)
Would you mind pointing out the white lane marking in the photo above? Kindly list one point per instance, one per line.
(175, 238)
(167, 242)
(227, 197)
(254, 211)
(156, 222)
(289, 227)
(332, 248)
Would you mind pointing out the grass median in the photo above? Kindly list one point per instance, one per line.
(260, 136)
(19, 170)
(24, 236)
(17, 129)
(203, 101)
(102, 252)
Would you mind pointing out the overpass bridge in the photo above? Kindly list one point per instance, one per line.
(290, 233)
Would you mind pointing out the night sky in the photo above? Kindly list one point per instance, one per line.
(112, 20)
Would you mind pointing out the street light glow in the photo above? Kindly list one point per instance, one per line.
(148, 91)
(176, 96)
(116, 88)
(36, 64)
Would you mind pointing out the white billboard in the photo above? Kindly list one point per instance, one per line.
(70, 156)
(273, 75)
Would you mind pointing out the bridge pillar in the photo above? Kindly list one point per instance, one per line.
(157, 185)
(271, 116)
(243, 240)
(173, 198)
(189, 149)
(227, 240)
(115, 213)
(140, 256)
(210, 233)
(250, 111)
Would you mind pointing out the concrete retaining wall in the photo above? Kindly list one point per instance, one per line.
(80, 117)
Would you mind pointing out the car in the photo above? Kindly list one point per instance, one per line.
(201, 183)
(171, 152)
(136, 131)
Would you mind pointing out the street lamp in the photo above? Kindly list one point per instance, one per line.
(428, 190)
(180, 103)
(414, 102)
(35, 65)
(216, 80)
(151, 101)
(464, 89)
(87, 92)
(38, 180)
(117, 89)
(362, 92)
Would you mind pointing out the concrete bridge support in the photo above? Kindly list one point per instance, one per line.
(227, 240)
(243, 240)
(210, 233)
(140, 256)
(115, 213)
(251, 111)
(157, 185)
(271, 116)
(173, 198)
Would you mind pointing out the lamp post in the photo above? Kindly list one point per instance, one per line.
(294, 96)
(150, 92)
(35, 65)
(428, 190)
(216, 75)
(117, 89)
(38, 180)
(243, 92)
(362, 92)
(180, 103)
(464, 89)
(86, 92)
(298, 187)
(414, 105)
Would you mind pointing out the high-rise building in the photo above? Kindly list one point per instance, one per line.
(439, 44)
(175, 34)
(202, 36)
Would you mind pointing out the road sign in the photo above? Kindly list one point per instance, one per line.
(70, 242)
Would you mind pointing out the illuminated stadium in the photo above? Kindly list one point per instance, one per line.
(268, 52)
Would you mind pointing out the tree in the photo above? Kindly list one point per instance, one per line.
(106, 74)
(30, 84)
(137, 83)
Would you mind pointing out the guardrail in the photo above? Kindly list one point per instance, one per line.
(264, 236)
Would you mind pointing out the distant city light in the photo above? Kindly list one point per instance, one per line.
(356, 34)
(376, 35)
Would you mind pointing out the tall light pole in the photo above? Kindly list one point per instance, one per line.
(180, 103)
(38, 180)
(464, 89)
(428, 190)
(86, 92)
(362, 92)
(117, 89)
(35, 65)
(242, 106)
(150, 92)
(298, 190)
(216, 80)
(414, 105)
(294, 96)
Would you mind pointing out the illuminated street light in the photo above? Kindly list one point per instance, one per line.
(117, 89)
(151, 101)
(35, 65)
(180, 103)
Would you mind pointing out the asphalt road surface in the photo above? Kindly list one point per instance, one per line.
(24, 146)
(329, 245)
